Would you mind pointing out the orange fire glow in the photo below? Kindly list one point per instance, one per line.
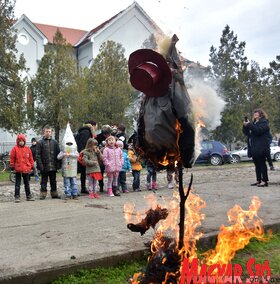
(245, 224)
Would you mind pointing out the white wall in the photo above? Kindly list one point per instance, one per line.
(130, 29)
(30, 44)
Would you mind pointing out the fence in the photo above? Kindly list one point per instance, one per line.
(7, 146)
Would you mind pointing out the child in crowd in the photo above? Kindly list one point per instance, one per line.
(125, 167)
(113, 161)
(21, 161)
(69, 156)
(33, 150)
(151, 176)
(169, 176)
(136, 167)
(92, 158)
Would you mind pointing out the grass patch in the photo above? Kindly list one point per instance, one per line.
(262, 251)
(121, 273)
(4, 176)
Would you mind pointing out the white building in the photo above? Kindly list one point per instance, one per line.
(130, 27)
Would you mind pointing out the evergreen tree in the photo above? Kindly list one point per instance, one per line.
(12, 86)
(53, 89)
(274, 98)
(109, 85)
(229, 67)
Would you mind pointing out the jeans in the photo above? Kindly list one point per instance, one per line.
(70, 186)
(25, 178)
(136, 179)
(151, 174)
(44, 180)
(122, 180)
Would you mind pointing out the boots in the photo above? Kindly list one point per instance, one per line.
(43, 195)
(54, 194)
(116, 191)
(154, 185)
(110, 192)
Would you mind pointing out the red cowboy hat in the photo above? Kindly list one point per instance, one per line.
(149, 72)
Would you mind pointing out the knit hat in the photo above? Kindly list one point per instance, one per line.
(119, 143)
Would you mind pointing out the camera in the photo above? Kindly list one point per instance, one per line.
(246, 118)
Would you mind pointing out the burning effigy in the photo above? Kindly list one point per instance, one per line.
(166, 127)
(166, 134)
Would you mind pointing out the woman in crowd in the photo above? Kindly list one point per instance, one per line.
(257, 133)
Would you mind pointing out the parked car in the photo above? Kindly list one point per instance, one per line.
(241, 154)
(213, 152)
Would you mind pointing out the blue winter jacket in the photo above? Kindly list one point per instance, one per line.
(126, 164)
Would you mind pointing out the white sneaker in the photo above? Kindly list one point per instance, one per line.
(170, 185)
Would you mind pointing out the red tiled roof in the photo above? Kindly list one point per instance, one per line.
(72, 36)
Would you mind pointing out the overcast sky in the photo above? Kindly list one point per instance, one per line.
(198, 23)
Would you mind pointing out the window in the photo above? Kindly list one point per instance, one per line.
(23, 39)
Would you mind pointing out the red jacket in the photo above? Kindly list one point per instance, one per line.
(21, 157)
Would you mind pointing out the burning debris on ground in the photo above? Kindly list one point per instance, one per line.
(163, 264)
(166, 260)
(151, 219)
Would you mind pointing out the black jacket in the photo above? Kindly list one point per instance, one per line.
(257, 137)
(46, 155)
(33, 150)
(84, 133)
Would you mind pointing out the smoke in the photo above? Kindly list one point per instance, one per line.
(132, 111)
(207, 108)
(207, 104)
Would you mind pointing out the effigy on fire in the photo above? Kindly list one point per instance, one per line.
(166, 137)
(166, 126)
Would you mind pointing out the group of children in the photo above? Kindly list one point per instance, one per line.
(117, 161)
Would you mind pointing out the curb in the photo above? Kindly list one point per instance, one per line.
(42, 276)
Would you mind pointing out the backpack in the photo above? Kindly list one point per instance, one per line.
(81, 159)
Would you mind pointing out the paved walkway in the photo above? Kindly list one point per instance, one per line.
(42, 239)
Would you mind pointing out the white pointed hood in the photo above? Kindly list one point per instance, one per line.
(68, 138)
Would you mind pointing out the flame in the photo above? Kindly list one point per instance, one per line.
(164, 161)
(172, 158)
(244, 225)
(200, 123)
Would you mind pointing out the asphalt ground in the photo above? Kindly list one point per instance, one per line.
(43, 239)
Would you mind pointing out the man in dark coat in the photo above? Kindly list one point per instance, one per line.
(84, 133)
(47, 163)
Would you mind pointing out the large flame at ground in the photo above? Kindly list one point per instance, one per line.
(165, 261)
